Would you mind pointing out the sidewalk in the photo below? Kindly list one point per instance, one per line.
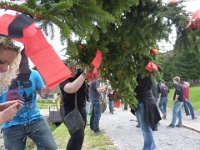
(120, 127)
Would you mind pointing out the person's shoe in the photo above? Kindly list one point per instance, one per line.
(164, 117)
(194, 117)
(156, 128)
(187, 114)
(138, 126)
(97, 132)
(171, 126)
(179, 126)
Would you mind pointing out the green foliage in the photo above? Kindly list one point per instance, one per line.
(185, 65)
(124, 31)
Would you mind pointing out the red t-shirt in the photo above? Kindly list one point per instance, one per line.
(186, 92)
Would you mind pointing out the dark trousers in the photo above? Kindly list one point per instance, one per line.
(95, 115)
(76, 140)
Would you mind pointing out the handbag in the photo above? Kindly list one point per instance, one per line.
(73, 120)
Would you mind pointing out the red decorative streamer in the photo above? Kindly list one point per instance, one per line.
(40, 52)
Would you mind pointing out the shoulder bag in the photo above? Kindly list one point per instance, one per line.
(73, 120)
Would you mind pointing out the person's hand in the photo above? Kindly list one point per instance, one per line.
(7, 104)
(87, 69)
(44, 92)
(10, 112)
(105, 88)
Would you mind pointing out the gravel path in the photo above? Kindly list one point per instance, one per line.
(120, 127)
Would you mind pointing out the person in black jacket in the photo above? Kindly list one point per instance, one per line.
(147, 110)
(74, 84)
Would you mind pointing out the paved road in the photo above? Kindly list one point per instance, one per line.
(120, 127)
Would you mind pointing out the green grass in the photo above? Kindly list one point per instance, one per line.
(194, 97)
(45, 104)
(92, 141)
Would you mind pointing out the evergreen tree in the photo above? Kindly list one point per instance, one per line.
(124, 31)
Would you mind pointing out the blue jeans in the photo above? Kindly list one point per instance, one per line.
(188, 107)
(177, 112)
(95, 115)
(111, 105)
(149, 143)
(15, 136)
(137, 117)
(163, 105)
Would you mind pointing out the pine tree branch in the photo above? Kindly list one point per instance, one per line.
(38, 14)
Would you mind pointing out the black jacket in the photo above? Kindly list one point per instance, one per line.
(144, 95)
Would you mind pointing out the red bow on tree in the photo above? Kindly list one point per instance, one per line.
(96, 62)
(195, 20)
(154, 51)
(151, 67)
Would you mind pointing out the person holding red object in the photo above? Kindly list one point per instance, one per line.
(75, 85)
(95, 91)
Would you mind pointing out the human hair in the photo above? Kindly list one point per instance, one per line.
(163, 81)
(6, 77)
(177, 79)
(8, 44)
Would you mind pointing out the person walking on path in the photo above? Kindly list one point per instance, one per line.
(111, 95)
(94, 95)
(178, 103)
(147, 110)
(164, 90)
(189, 110)
(75, 84)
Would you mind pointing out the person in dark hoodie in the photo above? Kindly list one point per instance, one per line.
(147, 110)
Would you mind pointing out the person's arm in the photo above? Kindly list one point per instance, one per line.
(102, 89)
(178, 92)
(73, 87)
(7, 104)
(176, 97)
(10, 112)
(44, 92)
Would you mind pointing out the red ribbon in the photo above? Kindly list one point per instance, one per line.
(195, 18)
(40, 52)
(96, 62)
(154, 51)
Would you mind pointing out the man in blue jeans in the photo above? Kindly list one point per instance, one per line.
(178, 103)
(94, 95)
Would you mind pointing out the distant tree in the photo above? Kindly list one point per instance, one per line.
(186, 65)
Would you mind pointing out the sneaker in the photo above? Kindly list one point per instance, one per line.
(179, 126)
(164, 117)
(171, 126)
(138, 126)
(194, 117)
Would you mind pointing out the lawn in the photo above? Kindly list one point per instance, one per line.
(92, 141)
(194, 97)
